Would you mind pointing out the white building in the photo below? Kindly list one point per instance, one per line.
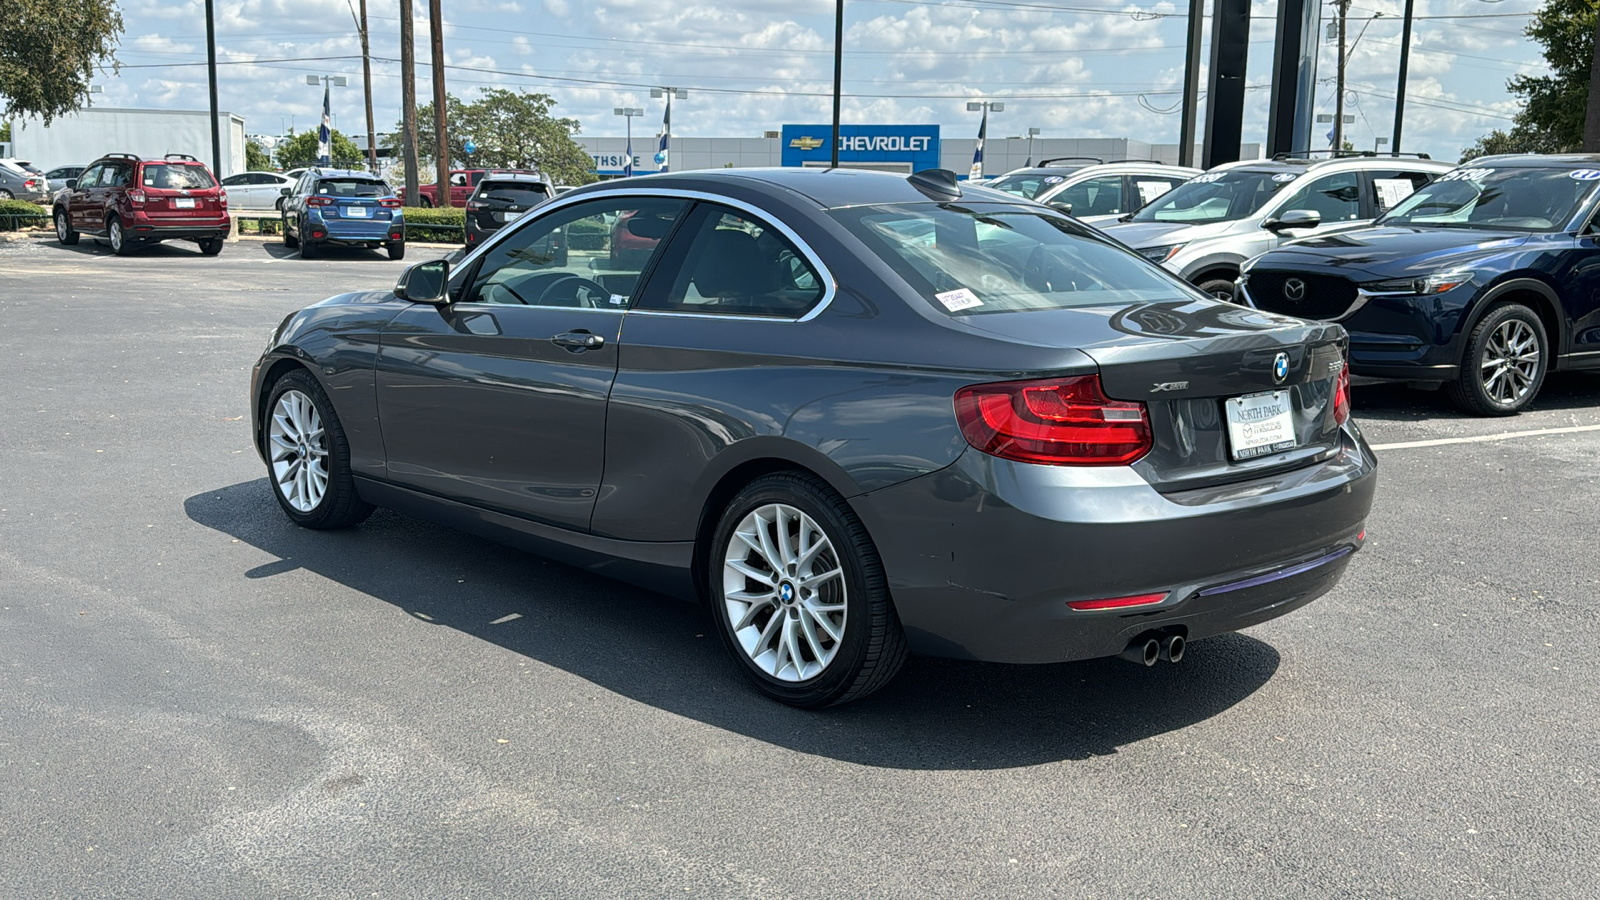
(81, 137)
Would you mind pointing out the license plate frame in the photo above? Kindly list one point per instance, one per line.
(358, 212)
(183, 203)
(1260, 424)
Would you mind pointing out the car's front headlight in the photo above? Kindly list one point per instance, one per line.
(1161, 254)
(1437, 283)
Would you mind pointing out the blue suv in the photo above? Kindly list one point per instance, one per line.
(1483, 280)
(340, 207)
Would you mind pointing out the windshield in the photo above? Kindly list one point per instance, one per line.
(176, 176)
(1026, 186)
(983, 258)
(1518, 199)
(353, 187)
(1215, 197)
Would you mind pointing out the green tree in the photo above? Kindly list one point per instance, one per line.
(49, 50)
(511, 130)
(1553, 105)
(301, 150)
(256, 158)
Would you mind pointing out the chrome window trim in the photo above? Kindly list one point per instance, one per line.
(560, 202)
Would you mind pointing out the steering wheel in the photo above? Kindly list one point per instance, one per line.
(584, 293)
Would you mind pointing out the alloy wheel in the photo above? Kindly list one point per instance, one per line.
(1510, 364)
(61, 227)
(784, 591)
(116, 236)
(299, 451)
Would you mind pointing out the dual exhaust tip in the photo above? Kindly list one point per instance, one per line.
(1151, 648)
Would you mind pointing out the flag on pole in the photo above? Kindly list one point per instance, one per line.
(325, 132)
(977, 155)
(666, 136)
(627, 167)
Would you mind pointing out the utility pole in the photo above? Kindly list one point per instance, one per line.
(442, 151)
(838, 74)
(1591, 121)
(211, 69)
(1338, 101)
(366, 84)
(408, 104)
(1400, 87)
(1191, 83)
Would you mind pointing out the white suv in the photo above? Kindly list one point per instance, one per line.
(1206, 229)
(1086, 186)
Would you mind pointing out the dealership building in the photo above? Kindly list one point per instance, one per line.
(891, 148)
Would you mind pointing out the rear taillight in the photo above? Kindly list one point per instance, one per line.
(1054, 421)
(389, 203)
(1341, 395)
(136, 197)
(319, 201)
(222, 199)
(477, 204)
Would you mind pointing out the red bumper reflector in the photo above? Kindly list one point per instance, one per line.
(319, 234)
(1118, 602)
(1362, 536)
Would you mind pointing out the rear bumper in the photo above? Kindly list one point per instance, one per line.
(356, 231)
(983, 556)
(145, 231)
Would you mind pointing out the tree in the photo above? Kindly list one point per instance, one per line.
(256, 158)
(510, 130)
(1554, 105)
(48, 52)
(301, 150)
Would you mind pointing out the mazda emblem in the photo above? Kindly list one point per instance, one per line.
(1294, 289)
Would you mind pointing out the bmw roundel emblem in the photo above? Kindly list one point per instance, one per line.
(1294, 289)
(786, 593)
(1280, 368)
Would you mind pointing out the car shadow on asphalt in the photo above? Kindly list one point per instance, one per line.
(88, 246)
(937, 714)
(1399, 403)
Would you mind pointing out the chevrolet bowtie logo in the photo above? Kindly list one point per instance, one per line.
(806, 143)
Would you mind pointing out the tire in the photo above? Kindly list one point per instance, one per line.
(211, 246)
(845, 641)
(278, 204)
(288, 240)
(397, 250)
(64, 231)
(308, 250)
(426, 203)
(296, 406)
(117, 238)
(1220, 288)
(5, 194)
(1507, 357)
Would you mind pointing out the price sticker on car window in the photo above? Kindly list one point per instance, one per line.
(959, 299)
(1466, 175)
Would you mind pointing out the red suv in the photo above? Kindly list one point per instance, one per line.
(130, 201)
(462, 183)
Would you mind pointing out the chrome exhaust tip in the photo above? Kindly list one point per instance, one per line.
(1144, 651)
(1172, 649)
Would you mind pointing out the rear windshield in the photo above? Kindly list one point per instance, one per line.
(520, 193)
(1216, 197)
(176, 176)
(982, 258)
(353, 187)
(1519, 199)
(1026, 186)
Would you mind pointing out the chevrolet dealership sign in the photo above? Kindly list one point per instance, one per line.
(914, 145)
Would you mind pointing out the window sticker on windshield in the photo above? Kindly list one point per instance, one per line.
(1466, 175)
(1054, 179)
(1207, 178)
(959, 299)
(1286, 176)
(1584, 174)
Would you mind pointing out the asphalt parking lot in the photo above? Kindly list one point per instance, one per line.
(198, 699)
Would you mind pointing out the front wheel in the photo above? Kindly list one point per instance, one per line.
(1220, 288)
(64, 230)
(120, 245)
(211, 246)
(1505, 363)
(800, 596)
(309, 458)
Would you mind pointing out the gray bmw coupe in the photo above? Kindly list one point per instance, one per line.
(857, 414)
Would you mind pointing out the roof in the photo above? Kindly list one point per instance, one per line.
(343, 173)
(1533, 160)
(828, 188)
(528, 177)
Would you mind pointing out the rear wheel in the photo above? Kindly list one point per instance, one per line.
(1220, 288)
(1505, 363)
(289, 240)
(64, 231)
(308, 250)
(426, 203)
(397, 250)
(5, 194)
(309, 458)
(800, 596)
(211, 246)
(120, 245)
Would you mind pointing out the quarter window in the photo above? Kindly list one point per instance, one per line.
(738, 265)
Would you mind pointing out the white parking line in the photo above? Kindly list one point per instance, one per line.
(1486, 438)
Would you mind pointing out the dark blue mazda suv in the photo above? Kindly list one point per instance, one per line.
(1484, 280)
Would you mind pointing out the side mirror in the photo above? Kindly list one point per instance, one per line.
(425, 283)
(1294, 218)
(1062, 205)
(284, 192)
(72, 184)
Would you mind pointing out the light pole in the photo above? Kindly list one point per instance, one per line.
(1032, 133)
(629, 112)
(664, 151)
(1378, 142)
(983, 132)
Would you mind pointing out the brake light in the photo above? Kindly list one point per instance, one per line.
(477, 204)
(319, 201)
(1054, 421)
(1118, 602)
(1341, 395)
(136, 197)
(389, 203)
(222, 199)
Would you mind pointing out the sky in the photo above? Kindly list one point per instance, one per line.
(1072, 68)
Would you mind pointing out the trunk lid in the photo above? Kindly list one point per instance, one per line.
(1186, 360)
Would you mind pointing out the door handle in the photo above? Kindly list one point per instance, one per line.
(579, 340)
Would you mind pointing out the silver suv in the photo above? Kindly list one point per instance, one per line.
(1205, 229)
(1085, 186)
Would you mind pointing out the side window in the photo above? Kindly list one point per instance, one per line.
(477, 177)
(114, 175)
(237, 180)
(1149, 187)
(1095, 197)
(738, 265)
(589, 255)
(1336, 197)
(90, 177)
(1389, 188)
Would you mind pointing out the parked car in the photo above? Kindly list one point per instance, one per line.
(1205, 229)
(1018, 442)
(1484, 280)
(17, 183)
(342, 207)
(128, 201)
(501, 197)
(1088, 186)
(257, 190)
(462, 183)
(60, 175)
